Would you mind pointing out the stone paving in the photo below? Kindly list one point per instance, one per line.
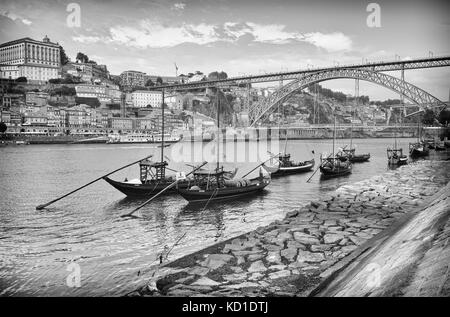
(413, 261)
(293, 256)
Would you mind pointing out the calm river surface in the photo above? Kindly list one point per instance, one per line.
(36, 247)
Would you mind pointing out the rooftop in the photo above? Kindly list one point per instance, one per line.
(46, 41)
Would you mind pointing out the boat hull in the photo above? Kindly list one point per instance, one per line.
(335, 172)
(414, 153)
(360, 158)
(294, 169)
(199, 196)
(144, 190)
(398, 161)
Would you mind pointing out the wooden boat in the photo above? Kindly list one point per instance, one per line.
(433, 145)
(418, 150)
(333, 166)
(213, 185)
(349, 154)
(285, 166)
(153, 176)
(152, 181)
(396, 157)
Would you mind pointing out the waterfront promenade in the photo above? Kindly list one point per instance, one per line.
(316, 248)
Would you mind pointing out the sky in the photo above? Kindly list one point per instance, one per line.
(241, 36)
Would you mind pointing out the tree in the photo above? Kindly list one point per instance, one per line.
(159, 81)
(213, 76)
(149, 83)
(64, 58)
(82, 57)
(223, 75)
(21, 80)
(428, 117)
(3, 127)
(217, 75)
(444, 117)
(54, 81)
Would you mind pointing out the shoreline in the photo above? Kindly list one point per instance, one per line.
(310, 246)
(78, 141)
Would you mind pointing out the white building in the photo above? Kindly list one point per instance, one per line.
(144, 98)
(104, 93)
(37, 61)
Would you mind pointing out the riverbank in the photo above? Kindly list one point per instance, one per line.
(311, 246)
(413, 261)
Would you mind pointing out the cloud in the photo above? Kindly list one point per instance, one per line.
(178, 6)
(87, 39)
(15, 17)
(151, 34)
(331, 42)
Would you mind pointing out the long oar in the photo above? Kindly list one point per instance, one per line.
(95, 180)
(162, 191)
(261, 164)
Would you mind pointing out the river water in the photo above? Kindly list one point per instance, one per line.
(114, 254)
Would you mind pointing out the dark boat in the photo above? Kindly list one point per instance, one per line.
(433, 145)
(285, 166)
(152, 181)
(396, 157)
(212, 186)
(418, 149)
(333, 166)
(349, 154)
(153, 176)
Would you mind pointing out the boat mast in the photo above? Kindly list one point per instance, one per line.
(334, 131)
(218, 127)
(395, 136)
(162, 127)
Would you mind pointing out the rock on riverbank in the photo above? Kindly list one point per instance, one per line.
(293, 256)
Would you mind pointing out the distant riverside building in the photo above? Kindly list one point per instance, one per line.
(12, 101)
(86, 71)
(144, 98)
(36, 98)
(165, 79)
(121, 123)
(36, 119)
(133, 78)
(37, 61)
(104, 93)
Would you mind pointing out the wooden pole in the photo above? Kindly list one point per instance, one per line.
(218, 129)
(39, 207)
(130, 214)
(162, 126)
(316, 170)
(261, 164)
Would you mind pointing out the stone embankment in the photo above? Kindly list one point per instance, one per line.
(413, 261)
(300, 255)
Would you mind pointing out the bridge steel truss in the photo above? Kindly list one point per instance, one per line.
(409, 91)
(431, 62)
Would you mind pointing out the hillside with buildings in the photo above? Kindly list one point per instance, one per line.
(44, 92)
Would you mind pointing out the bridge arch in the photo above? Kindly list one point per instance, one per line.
(409, 91)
